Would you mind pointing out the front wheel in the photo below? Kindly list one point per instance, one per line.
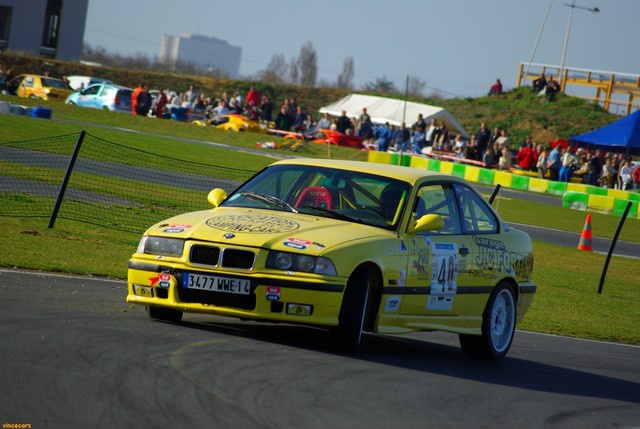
(498, 327)
(166, 314)
(348, 334)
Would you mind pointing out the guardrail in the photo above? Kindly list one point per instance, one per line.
(574, 195)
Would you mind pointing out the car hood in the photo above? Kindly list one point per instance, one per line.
(266, 229)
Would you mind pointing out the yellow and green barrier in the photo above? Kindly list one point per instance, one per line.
(575, 195)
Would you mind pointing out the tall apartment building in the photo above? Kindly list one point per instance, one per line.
(205, 52)
(53, 28)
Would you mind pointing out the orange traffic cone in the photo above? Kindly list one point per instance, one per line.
(585, 237)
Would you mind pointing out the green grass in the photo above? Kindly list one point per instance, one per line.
(566, 303)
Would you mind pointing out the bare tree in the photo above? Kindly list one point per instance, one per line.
(345, 78)
(276, 70)
(381, 84)
(308, 65)
(294, 71)
(416, 86)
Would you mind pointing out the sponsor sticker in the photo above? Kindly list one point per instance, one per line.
(293, 245)
(392, 304)
(174, 229)
(273, 293)
(164, 280)
(253, 224)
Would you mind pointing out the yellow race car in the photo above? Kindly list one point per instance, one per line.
(345, 245)
(36, 86)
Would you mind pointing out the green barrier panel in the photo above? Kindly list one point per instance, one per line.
(520, 182)
(396, 159)
(634, 196)
(486, 176)
(557, 188)
(575, 200)
(459, 170)
(594, 190)
(619, 206)
(379, 157)
(434, 165)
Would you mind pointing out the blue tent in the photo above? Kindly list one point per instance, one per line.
(621, 136)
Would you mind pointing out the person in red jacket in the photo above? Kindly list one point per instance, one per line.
(253, 97)
(636, 177)
(527, 156)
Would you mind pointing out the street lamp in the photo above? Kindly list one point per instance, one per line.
(566, 36)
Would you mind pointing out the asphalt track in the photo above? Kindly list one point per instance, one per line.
(74, 355)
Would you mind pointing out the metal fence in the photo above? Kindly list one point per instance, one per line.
(84, 178)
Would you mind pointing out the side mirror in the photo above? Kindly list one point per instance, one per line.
(216, 197)
(428, 222)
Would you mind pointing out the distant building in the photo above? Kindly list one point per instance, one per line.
(53, 28)
(205, 52)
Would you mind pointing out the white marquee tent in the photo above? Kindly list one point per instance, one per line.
(393, 111)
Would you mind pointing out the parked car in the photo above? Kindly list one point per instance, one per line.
(78, 83)
(349, 246)
(36, 86)
(105, 96)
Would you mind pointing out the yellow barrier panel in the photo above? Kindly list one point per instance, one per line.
(379, 157)
(577, 187)
(618, 193)
(472, 173)
(419, 162)
(601, 203)
(503, 178)
(446, 167)
(538, 185)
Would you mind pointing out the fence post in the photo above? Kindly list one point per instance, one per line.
(65, 182)
(613, 244)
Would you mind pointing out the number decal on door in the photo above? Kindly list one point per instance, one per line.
(443, 276)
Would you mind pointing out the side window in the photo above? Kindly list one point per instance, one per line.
(439, 200)
(477, 216)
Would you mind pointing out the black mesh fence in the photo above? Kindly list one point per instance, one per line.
(110, 185)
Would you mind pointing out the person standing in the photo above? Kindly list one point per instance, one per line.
(134, 99)
(143, 101)
(343, 123)
(484, 137)
(161, 102)
(554, 163)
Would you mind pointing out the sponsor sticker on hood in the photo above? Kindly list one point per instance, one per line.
(253, 224)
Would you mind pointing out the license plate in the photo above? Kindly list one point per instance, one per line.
(216, 283)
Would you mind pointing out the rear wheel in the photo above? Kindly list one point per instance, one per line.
(348, 334)
(166, 314)
(498, 327)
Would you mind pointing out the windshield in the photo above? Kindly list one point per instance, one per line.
(340, 194)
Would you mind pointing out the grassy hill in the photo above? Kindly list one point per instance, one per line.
(519, 110)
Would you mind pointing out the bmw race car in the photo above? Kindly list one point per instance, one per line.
(354, 247)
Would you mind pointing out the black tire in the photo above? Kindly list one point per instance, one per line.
(498, 327)
(166, 314)
(348, 334)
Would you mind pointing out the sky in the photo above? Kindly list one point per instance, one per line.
(456, 47)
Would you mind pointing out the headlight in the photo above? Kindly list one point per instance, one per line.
(294, 262)
(161, 246)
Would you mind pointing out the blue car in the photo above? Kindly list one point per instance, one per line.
(103, 95)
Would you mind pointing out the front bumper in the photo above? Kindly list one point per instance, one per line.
(280, 298)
